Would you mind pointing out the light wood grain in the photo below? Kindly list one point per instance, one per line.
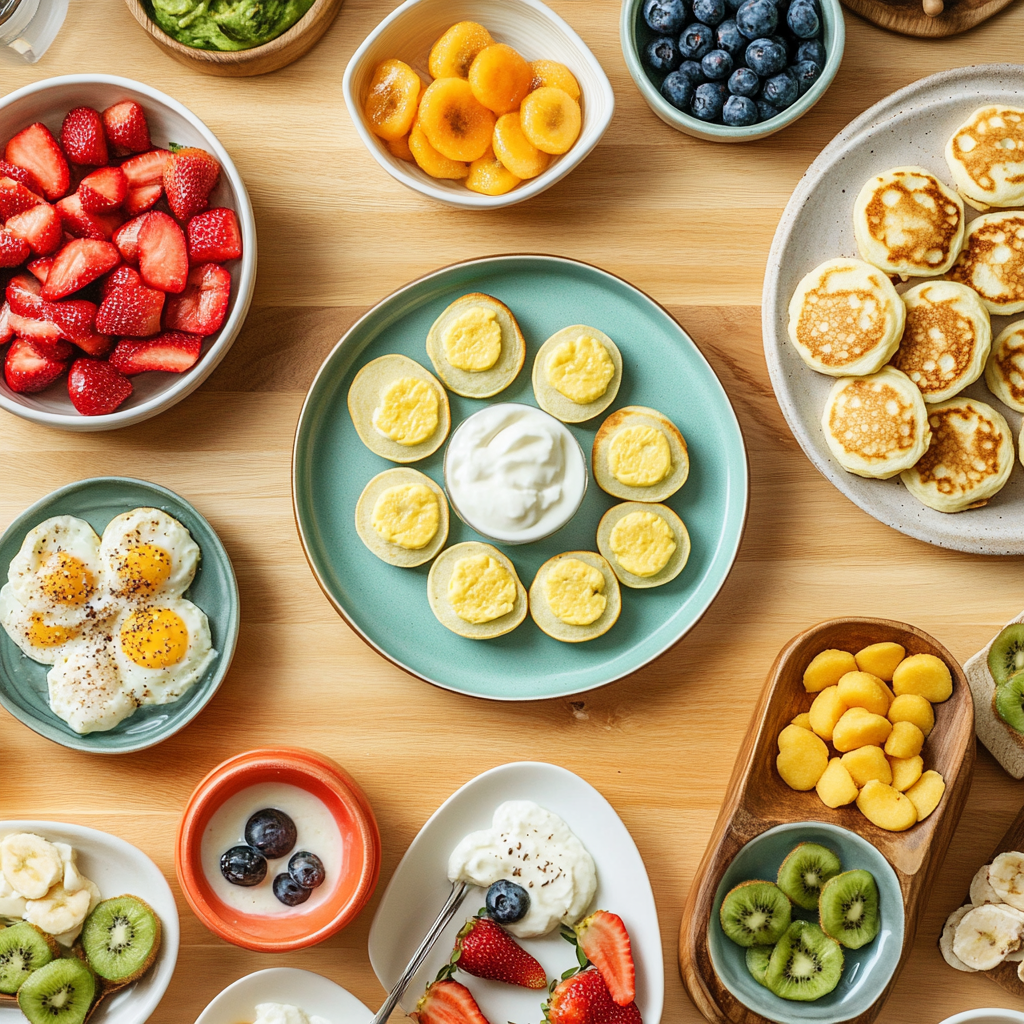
(908, 17)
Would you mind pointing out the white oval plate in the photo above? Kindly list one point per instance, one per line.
(909, 127)
(118, 868)
(419, 887)
(312, 993)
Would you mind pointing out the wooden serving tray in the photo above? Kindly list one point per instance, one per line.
(908, 18)
(757, 799)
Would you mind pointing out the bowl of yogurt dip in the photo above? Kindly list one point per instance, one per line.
(514, 473)
(331, 819)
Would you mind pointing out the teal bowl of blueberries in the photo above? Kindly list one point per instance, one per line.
(732, 70)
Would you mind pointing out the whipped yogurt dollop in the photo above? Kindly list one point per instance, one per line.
(283, 1013)
(534, 848)
(514, 473)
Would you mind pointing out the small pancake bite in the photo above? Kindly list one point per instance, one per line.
(992, 262)
(639, 455)
(986, 157)
(876, 426)
(907, 222)
(1004, 371)
(968, 460)
(577, 373)
(575, 597)
(646, 545)
(402, 517)
(399, 409)
(474, 591)
(845, 318)
(946, 340)
(476, 346)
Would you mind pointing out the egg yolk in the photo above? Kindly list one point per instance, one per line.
(642, 543)
(580, 369)
(481, 589)
(144, 569)
(154, 637)
(41, 634)
(407, 515)
(639, 456)
(573, 591)
(67, 580)
(407, 412)
(473, 340)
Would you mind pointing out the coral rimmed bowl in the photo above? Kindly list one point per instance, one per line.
(348, 805)
(408, 33)
(48, 101)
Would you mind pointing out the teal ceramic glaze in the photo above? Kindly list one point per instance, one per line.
(388, 605)
(97, 501)
(866, 971)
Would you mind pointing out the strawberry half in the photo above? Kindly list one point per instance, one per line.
(126, 127)
(13, 250)
(40, 268)
(24, 294)
(28, 369)
(126, 238)
(79, 263)
(189, 177)
(484, 949)
(83, 138)
(141, 199)
(80, 223)
(39, 226)
(123, 277)
(172, 352)
(214, 236)
(202, 306)
(447, 1002)
(43, 334)
(603, 938)
(96, 388)
(131, 310)
(19, 174)
(35, 149)
(103, 190)
(146, 168)
(163, 254)
(6, 330)
(15, 198)
(584, 999)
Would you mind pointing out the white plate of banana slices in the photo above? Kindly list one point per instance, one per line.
(106, 867)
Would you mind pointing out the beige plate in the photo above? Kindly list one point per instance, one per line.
(395, 554)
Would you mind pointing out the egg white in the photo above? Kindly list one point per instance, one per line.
(85, 685)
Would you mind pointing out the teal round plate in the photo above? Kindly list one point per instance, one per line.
(23, 689)
(662, 368)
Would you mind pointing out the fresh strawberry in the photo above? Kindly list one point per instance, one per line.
(126, 238)
(40, 227)
(81, 223)
(141, 199)
(132, 310)
(189, 178)
(584, 999)
(6, 330)
(123, 277)
(13, 250)
(126, 127)
(603, 938)
(24, 294)
(163, 254)
(35, 149)
(19, 174)
(103, 190)
(214, 236)
(172, 352)
(15, 198)
(202, 306)
(76, 319)
(447, 1002)
(83, 138)
(146, 168)
(97, 345)
(40, 268)
(43, 334)
(96, 388)
(483, 948)
(79, 263)
(28, 368)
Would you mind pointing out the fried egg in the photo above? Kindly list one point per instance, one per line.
(85, 686)
(147, 555)
(36, 633)
(1004, 372)
(575, 597)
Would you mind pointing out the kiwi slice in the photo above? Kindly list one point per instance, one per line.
(757, 961)
(1006, 655)
(62, 992)
(120, 939)
(755, 913)
(848, 908)
(23, 949)
(1008, 701)
(807, 868)
(805, 965)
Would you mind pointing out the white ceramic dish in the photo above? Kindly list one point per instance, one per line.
(48, 101)
(419, 887)
(312, 993)
(118, 868)
(986, 1016)
(909, 127)
(409, 31)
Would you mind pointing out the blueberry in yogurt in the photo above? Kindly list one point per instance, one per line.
(710, 12)
(662, 55)
(272, 832)
(743, 82)
(765, 57)
(678, 90)
(307, 869)
(812, 50)
(781, 90)
(739, 112)
(708, 101)
(806, 74)
(507, 902)
(729, 38)
(666, 17)
(803, 20)
(242, 865)
(289, 892)
(717, 65)
(757, 18)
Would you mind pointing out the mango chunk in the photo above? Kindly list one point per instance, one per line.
(827, 708)
(905, 740)
(867, 763)
(880, 659)
(925, 675)
(926, 793)
(803, 720)
(906, 771)
(887, 807)
(803, 758)
(863, 690)
(836, 788)
(827, 668)
(911, 707)
(860, 728)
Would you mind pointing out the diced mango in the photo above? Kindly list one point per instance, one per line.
(827, 668)
(886, 807)
(803, 758)
(826, 709)
(910, 707)
(906, 771)
(925, 675)
(863, 690)
(860, 728)
(905, 740)
(926, 793)
(880, 659)
(867, 763)
(803, 720)
(836, 788)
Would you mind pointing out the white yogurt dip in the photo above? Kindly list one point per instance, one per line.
(317, 833)
(535, 849)
(283, 1013)
(514, 473)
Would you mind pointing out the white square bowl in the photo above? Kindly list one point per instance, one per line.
(526, 25)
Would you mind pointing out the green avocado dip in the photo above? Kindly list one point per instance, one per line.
(226, 24)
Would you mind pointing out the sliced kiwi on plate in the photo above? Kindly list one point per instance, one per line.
(805, 964)
(755, 913)
(120, 939)
(805, 870)
(1008, 701)
(1006, 655)
(758, 958)
(62, 992)
(849, 908)
(23, 949)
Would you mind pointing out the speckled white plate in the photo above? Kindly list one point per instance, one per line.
(909, 127)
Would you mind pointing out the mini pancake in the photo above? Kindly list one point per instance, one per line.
(391, 517)
(371, 385)
(992, 262)
(1004, 372)
(574, 586)
(634, 445)
(482, 337)
(845, 318)
(907, 222)
(445, 566)
(986, 157)
(876, 426)
(969, 459)
(579, 360)
(642, 543)
(947, 338)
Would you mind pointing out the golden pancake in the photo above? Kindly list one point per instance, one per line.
(1004, 372)
(640, 542)
(639, 455)
(992, 262)
(575, 597)
(577, 373)
(986, 157)
(968, 460)
(396, 521)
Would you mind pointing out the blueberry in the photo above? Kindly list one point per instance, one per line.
(782, 90)
(806, 74)
(707, 101)
(695, 41)
(662, 55)
(766, 111)
(710, 12)
(811, 49)
(507, 902)
(730, 38)
(765, 57)
(666, 17)
(717, 65)
(739, 111)
(242, 865)
(743, 82)
(289, 892)
(271, 832)
(757, 18)
(786, 44)
(690, 69)
(733, 5)
(307, 869)
(678, 90)
(803, 20)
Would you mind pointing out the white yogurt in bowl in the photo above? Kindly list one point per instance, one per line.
(514, 474)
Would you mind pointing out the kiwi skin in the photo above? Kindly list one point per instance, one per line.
(113, 984)
(1006, 655)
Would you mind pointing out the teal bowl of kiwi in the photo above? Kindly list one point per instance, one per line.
(807, 924)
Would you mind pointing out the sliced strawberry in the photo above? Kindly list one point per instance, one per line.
(28, 368)
(43, 334)
(75, 318)
(19, 174)
(141, 199)
(189, 177)
(126, 127)
(214, 236)
(40, 268)
(163, 254)
(484, 949)
(603, 938)
(6, 330)
(146, 168)
(40, 227)
(13, 250)
(202, 306)
(35, 149)
(123, 277)
(103, 190)
(584, 999)
(79, 263)
(96, 388)
(97, 345)
(83, 138)
(80, 223)
(15, 198)
(24, 294)
(126, 238)
(447, 1002)
(172, 352)
(131, 310)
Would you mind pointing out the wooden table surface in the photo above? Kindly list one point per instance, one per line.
(688, 221)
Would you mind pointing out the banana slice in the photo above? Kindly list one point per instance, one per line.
(11, 904)
(68, 938)
(74, 880)
(1015, 957)
(1006, 876)
(981, 888)
(1020, 972)
(946, 940)
(59, 911)
(30, 864)
(986, 935)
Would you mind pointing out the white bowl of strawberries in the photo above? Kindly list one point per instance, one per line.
(127, 252)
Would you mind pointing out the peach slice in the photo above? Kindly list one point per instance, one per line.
(489, 176)
(905, 740)
(551, 120)
(880, 659)
(887, 807)
(926, 793)
(860, 728)
(500, 78)
(515, 150)
(435, 164)
(836, 787)
(392, 99)
(452, 55)
(400, 148)
(826, 669)
(455, 123)
(909, 707)
(550, 72)
(826, 709)
(867, 763)
(925, 675)
(864, 690)
(906, 771)
(803, 758)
